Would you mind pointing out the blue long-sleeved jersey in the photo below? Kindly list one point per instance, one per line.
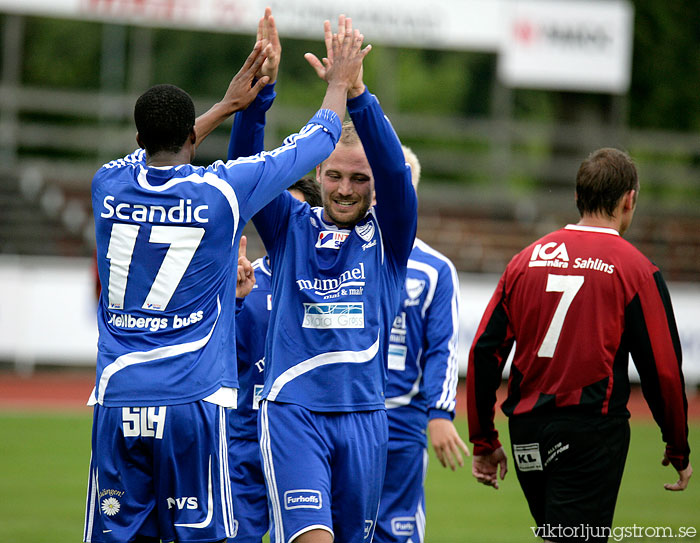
(423, 351)
(167, 241)
(252, 320)
(333, 304)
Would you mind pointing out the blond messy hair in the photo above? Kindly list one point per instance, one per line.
(414, 163)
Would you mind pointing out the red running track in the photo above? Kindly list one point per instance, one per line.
(69, 390)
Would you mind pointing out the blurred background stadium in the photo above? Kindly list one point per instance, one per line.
(500, 99)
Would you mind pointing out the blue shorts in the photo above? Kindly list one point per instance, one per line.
(323, 470)
(159, 472)
(249, 494)
(402, 509)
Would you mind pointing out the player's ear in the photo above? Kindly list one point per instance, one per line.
(318, 173)
(139, 142)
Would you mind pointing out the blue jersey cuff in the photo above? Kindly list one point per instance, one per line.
(265, 97)
(330, 121)
(361, 101)
(440, 414)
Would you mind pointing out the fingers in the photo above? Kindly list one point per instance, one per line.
(259, 84)
(254, 54)
(503, 465)
(464, 447)
(678, 486)
(272, 34)
(342, 25)
(254, 68)
(266, 24)
(440, 456)
(454, 458)
(316, 65)
(255, 60)
(485, 477)
(683, 479)
(328, 39)
(242, 246)
(366, 50)
(452, 455)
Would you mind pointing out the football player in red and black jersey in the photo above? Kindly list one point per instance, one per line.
(577, 303)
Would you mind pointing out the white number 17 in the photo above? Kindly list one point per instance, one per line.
(183, 241)
(568, 285)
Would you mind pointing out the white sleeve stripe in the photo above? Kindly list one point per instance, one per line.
(259, 264)
(447, 399)
(290, 143)
(449, 391)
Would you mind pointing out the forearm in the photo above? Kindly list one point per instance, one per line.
(207, 122)
(248, 130)
(655, 349)
(336, 99)
(489, 351)
(397, 204)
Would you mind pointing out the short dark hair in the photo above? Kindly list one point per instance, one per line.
(602, 179)
(164, 117)
(310, 189)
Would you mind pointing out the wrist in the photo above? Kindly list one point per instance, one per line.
(356, 90)
(225, 108)
(338, 86)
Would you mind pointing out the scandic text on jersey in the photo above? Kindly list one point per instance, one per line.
(183, 212)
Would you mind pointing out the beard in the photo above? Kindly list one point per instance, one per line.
(346, 220)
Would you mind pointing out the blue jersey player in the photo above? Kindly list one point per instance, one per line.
(167, 235)
(252, 319)
(421, 389)
(336, 282)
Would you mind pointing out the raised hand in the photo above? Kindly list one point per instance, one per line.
(241, 91)
(267, 34)
(246, 275)
(337, 44)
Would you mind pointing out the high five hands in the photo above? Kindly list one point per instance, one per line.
(340, 43)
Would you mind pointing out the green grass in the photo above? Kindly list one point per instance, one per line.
(43, 474)
(459, 509)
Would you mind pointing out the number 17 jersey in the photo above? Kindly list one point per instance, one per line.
(167, 243)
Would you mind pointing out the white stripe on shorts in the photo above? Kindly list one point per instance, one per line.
(269, 470)
(90, 503)
(225, 477)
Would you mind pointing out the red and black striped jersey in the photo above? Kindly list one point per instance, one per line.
(577, 303)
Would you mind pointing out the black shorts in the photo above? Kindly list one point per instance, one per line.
(570, 468)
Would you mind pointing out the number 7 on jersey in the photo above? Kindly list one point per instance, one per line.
(569, 286)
